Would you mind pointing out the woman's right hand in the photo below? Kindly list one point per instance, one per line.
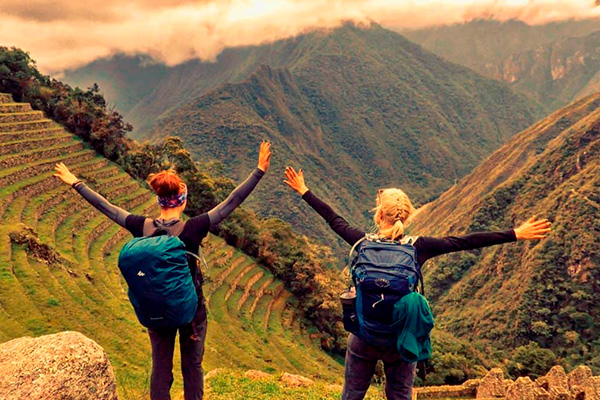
(64, 174)
(295, 180)
(533, 229)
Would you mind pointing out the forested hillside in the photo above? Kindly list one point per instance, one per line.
(542, 292)
(358, 109)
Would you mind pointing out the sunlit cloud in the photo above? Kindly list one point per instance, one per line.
(64, 34)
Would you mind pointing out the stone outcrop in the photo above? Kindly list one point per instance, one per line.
(492, 385)
(62, 366)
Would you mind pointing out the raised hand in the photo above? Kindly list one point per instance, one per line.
(64, 174)
(264, 156)
(295, 180)
(533, 229)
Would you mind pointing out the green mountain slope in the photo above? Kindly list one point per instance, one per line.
(536, 291)
(359, 109)
(58, 266)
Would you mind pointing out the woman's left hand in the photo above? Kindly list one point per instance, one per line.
(64, 174)
(264, 156)
(533, 229)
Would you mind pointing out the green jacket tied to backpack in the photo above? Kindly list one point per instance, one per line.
(414, 321)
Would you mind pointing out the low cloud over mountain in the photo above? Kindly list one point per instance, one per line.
(69, 34)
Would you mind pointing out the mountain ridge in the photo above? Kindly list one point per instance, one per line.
(366, 116)
(488, 294)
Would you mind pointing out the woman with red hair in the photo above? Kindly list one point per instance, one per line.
(172, 199)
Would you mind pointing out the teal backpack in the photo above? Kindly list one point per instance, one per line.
(161, 288)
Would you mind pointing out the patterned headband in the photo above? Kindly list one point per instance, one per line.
(173, 201)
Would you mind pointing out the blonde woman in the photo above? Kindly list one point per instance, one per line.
(393, 208)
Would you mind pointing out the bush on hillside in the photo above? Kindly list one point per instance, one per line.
(531, 360)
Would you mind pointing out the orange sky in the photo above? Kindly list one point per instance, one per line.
(65, 34)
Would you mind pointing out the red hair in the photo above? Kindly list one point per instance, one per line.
(165, 183)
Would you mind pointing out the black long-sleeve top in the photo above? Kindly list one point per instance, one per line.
(427, 247)
(193, 230)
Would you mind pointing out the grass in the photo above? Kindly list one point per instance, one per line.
(85, 292)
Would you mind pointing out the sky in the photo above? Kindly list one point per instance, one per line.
(65, 34)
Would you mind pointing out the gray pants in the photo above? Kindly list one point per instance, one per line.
(191, 343)
(361, 359)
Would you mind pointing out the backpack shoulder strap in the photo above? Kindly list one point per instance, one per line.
(366, 237)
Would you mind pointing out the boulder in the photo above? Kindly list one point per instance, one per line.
(295, 380)
(578, 376)
(492, 385)
(255, 375)
(63, 366)
(526, 389)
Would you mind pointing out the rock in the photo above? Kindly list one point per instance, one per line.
(491, 385)
(591, 388)
(295, 380)
(62, 366)
(557, 384)
(255, 375)
(578, 376)
(526, 389)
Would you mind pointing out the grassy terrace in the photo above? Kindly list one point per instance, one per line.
(253, 323)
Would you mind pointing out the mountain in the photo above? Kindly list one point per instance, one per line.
(358, 109)
(143, 91)
(554, 74)
(480, 43)
(554, 64)
(542, 291)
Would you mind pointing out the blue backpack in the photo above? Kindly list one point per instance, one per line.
(161, 288)
(383, 272)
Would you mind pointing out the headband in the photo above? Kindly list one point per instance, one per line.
(175, 200)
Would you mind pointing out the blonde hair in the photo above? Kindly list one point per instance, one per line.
(392, 211)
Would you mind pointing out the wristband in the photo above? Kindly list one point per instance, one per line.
(75, 183)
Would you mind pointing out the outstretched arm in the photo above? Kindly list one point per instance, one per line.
(532, 229)
(240, 193)
(113, 212)
(295, 180)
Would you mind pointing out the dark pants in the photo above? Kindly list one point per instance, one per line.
(361, 359)
(191, 342)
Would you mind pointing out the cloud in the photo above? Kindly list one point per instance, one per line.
(64, 34)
